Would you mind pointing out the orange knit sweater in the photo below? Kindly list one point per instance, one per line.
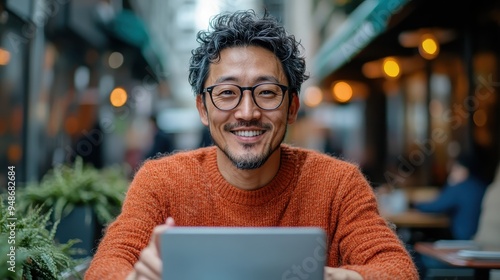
(310, 189)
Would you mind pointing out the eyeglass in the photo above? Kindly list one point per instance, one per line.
(267, 96)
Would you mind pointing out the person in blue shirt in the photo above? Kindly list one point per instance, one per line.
(460, 199)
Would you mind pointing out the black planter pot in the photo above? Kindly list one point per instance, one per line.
(82, 224)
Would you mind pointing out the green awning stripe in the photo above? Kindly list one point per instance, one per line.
(365, 23)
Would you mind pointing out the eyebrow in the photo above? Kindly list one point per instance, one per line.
(260, 79)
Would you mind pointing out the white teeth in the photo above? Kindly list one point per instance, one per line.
(248, 133)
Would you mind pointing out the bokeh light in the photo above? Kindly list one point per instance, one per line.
(4, 57)
(118, 97)
(391, 67)
(313, 96)
(429, 47)
(342, 92)
(115, 60)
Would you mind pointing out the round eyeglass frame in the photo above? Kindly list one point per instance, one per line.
(284, 89)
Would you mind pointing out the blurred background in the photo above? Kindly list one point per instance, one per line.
(396, 86)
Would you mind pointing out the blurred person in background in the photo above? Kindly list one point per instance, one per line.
(460, 199)
(89, 137)
(206, 139)
(162, 142)
(488, 232)
(246, 74)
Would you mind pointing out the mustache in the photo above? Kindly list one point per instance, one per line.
(231, 126)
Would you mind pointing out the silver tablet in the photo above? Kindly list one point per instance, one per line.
(243, 253)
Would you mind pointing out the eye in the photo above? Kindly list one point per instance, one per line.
(226, 92)
(267, 93)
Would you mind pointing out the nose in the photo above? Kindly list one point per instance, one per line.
(247, 109)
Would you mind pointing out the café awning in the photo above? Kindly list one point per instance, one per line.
(365, 23)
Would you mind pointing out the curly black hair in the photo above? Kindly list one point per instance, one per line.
(245, 28)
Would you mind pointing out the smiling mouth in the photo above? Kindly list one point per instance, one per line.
(248, 133)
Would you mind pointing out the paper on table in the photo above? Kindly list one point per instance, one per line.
(479, 254)
(456, 244)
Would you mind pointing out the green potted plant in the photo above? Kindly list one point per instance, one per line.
(85, 199)
(28, 248)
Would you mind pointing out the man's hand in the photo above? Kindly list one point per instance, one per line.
(149, 265)
(333, 273)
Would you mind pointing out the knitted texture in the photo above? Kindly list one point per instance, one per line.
(310, 189)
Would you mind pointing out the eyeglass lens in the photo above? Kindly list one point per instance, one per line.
(266, 96)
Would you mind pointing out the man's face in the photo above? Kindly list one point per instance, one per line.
(247, 135)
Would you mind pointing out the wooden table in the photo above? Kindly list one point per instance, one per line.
(449, 256)
(416, 219)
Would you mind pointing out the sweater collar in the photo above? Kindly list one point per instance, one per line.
(278, 185)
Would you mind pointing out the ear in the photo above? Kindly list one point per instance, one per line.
(293, 110)
(202, 109)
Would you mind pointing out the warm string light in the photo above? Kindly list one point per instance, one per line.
(118, 97)
(342, 92)
(391, 67)
(428, 47)
(4, 57)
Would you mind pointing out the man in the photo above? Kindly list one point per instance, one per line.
(246, 75)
